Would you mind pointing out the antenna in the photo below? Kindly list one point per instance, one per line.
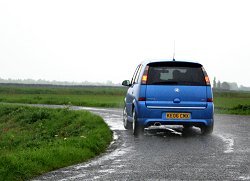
(174, 52)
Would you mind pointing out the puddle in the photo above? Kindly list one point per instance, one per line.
(113, 117)
(114, 121)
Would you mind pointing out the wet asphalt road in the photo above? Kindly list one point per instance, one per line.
(168, 154)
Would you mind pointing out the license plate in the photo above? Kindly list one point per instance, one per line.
(178, 115)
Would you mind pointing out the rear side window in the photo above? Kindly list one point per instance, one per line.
(136, 74)
(179, 73)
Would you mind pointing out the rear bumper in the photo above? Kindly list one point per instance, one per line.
(198, 117)
(191, 122)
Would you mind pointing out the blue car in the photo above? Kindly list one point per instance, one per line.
(168, 93)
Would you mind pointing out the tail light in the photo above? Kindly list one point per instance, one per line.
(142, 99)
(145, 76)
(207, 80)
(210, 100)
(206, 77)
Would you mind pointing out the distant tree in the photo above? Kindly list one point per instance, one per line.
(218, 85)
(214, 83)
(233, 86)
(225, 86)
(244, 88)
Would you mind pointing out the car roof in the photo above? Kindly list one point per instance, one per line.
(167, 60)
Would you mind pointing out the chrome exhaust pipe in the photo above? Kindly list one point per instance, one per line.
(157, 124)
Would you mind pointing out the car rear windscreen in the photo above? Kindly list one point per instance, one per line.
(175, 73)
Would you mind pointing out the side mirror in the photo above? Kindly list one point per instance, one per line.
(126, 83)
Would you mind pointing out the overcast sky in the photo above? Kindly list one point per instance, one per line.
(101, 40)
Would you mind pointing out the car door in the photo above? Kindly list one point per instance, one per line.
(132, 90)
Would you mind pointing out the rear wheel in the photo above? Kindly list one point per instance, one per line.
(126, 123)
(206, 130)
(137, 129)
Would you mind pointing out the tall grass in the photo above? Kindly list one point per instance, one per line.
(37, 140)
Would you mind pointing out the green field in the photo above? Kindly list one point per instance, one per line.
(37, 140)
(81, 96)
(229, 102)
(232, 102)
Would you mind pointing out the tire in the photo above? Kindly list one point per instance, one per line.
(137, 129)
(206, 130)
(126, 123)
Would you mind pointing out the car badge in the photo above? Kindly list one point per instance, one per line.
(177, 90)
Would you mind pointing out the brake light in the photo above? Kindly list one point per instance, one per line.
(206, 76)
(145, 76)
(210, 100)
(142, 99)
(207, 80)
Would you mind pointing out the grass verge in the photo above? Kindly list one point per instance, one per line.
(37, 140)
